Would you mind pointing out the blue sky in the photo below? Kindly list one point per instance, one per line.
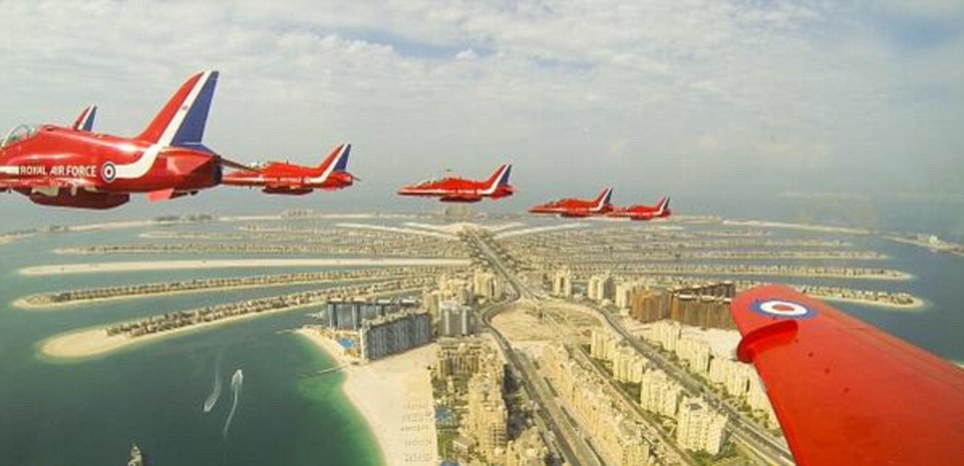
(690, 97)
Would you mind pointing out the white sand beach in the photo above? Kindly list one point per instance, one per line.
(92, 342)
(148, 266)
(535, 230)
(395, 396)
(406, 231)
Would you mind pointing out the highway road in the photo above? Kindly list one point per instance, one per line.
(740, 426)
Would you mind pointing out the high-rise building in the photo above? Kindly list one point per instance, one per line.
(394, 333)
(602, 344)
(562, 283)
(699, 427)
(628, 365)
(659, 394)
(667, 334)
(623, 296)
(430, 301)
(696, 353)
(757, 400)
(601, 287)
(704, 305)
(487, 418)
(455, 319)
(648, 305)
(618, 440)
(456, 289)
(350, 314)
(487, 285)
(732, 375)
(466, 356)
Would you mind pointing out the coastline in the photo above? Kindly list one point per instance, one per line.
(151, 266)
(94, 342)
(919, 305)
(21, 303)
(394, 396)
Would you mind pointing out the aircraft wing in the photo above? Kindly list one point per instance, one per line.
(846, 392)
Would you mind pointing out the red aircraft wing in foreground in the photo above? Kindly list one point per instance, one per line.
(74, 167)
(846, 392)
(463, 190)
(292, 179)
(644, 212)
(577, 207)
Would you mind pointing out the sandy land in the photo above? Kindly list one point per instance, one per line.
(148, 266)
(117, 225)
(797, 226)
(22, 303)
(395, 396)
(406, 231)
(94, 342)
(534, 230)
(917, 305)
(458, 227)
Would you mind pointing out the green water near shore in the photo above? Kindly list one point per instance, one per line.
(89, 412)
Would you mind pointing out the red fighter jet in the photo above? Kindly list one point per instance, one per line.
(846, 392)
(577, 208)
(291, 179)
(74, 167)
(462, 190)
(644, 212)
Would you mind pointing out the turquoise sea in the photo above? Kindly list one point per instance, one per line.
(89, 412)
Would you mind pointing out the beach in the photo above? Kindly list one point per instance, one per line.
(394, 395)
(407, 231)
(150, 266)
(23, 303)
(94, 342)
(916, 306)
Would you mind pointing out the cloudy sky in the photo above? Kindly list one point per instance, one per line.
(681, 96)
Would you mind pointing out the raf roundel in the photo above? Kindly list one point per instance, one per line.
(108, 172)
(782, 308)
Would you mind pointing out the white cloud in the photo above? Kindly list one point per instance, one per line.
(422, 84)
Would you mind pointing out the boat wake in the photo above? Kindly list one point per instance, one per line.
(216, 390)
(236, 381)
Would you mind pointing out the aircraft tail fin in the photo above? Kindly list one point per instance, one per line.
(85, 121)
(500, 177)
(182, 120)
(335, 161)
(662, 205)
(604, 199)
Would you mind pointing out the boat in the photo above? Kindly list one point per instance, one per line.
(137, 458)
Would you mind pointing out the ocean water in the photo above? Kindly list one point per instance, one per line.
(90, 411)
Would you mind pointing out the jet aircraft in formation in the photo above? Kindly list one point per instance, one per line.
(578, 208)
(76, 167)
(454, 189)
(292, 179)
(602, 206)
(80, 168)
(643, 212)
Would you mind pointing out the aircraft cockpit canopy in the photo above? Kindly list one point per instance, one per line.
(18, 134)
